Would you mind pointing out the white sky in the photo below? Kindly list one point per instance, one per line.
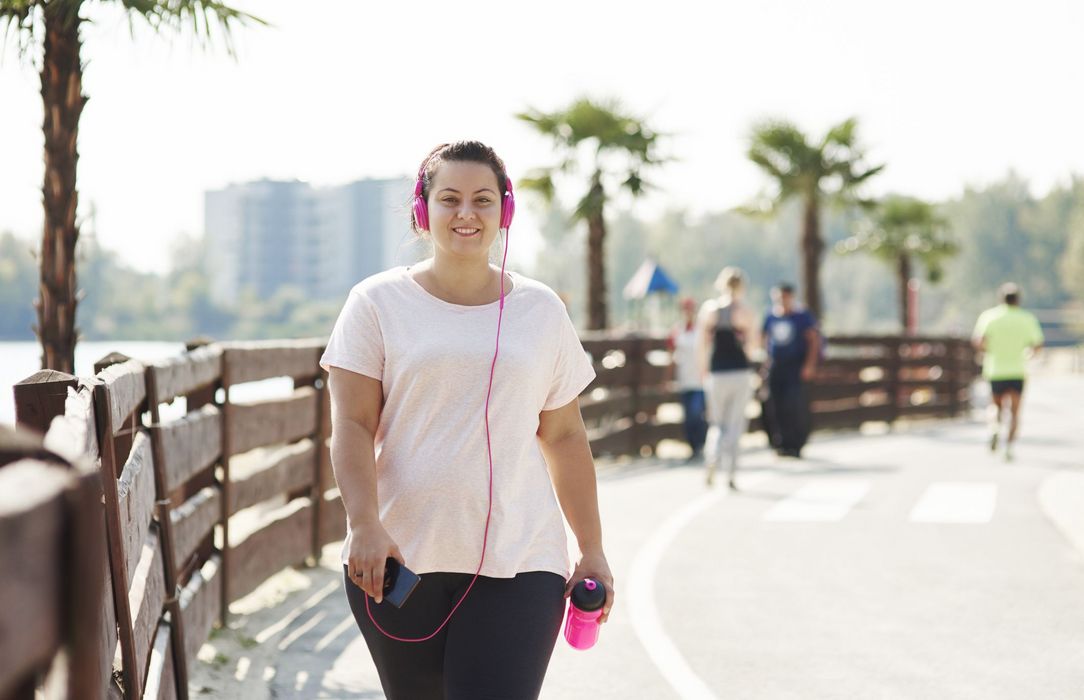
(948, 94)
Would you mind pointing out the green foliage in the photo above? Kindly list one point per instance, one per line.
(1001, 233)
(833, 169)
(904, 227)
(18, 287)
(24, 19)
(601, 137)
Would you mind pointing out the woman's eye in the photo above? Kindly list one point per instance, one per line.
(483, 200)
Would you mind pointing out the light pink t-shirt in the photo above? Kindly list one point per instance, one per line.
(433, 359)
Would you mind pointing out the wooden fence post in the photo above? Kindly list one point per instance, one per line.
(133, 683)
(40, 397)
(165, 523)
(224, 484)
(893, 368)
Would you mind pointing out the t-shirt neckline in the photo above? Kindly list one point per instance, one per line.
(460, 307)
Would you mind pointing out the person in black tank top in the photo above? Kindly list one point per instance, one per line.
(728, 348)
(726, 327)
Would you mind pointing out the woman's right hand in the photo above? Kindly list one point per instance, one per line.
(367, 551)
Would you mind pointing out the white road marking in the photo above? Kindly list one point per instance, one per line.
(645, 617)
(821, 502)
(956, 502)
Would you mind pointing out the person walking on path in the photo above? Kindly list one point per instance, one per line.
(792, 342)
(1006, 335)
(690, 383)
(726, 328)
(457, 443)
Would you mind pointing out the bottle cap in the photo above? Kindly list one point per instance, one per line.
(588, 595)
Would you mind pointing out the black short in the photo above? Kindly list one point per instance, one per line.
(1000, 386)
(497, 644)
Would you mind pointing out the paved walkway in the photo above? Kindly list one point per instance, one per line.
(910, 564)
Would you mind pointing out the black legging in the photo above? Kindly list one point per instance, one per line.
(497, 645)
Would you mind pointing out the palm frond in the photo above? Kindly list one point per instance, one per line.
(539, 181)
(206, 17)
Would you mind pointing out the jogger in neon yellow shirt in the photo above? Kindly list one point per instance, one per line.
(1007, 335)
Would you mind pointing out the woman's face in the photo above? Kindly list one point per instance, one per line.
(464, 209)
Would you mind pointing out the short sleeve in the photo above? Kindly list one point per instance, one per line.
(572, 370)
(980, 326)
(356, 343)
(1037, 332)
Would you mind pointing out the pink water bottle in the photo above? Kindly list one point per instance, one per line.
(584, 610)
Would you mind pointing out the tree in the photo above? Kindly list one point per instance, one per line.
(620, 147)
(831, 171)
(901, 231)
(58, 22)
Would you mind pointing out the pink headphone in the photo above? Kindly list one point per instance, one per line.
(421, 207)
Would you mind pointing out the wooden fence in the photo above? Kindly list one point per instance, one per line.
(52, 559)
(862, 379)
(200, 508)
(204, 496)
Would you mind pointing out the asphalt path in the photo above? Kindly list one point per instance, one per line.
(908, 564)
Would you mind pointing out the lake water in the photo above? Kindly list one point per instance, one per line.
(19, 360)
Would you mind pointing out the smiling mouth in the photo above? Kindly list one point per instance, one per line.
(466, 231)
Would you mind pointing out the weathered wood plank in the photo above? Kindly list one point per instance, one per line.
(75, 434)
(266, 473)
(135, 498)
(190, 444)
(161, 683)
(332, 517)
(179, 375)
(127, 389)
(107, 631)
(252, 361)
(31, 531)
(200, 605)
(272, 422)
(283, 540)
(146, 597)
(827, 392)
(193, 520)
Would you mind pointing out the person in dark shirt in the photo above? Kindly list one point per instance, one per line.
(792, 342)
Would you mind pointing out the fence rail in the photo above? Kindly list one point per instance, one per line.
(200, 496)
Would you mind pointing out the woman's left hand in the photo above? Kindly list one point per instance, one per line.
(594, 565)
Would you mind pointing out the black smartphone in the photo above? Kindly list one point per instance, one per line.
(399, 582)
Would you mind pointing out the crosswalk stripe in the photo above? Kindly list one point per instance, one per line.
(827, 501)
(956, 502)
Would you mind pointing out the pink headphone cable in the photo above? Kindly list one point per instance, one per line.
(489, 452)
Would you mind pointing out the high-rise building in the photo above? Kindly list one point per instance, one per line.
(264, 235)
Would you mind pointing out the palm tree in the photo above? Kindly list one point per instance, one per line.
(901, 231)
(829, 171)
(620, 146)
(57, 23)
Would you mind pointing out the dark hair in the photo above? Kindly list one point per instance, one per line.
(459, 151)
(1010, 293)
(784, 288)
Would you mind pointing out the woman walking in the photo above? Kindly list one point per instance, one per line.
(726, 330)
(457, 444)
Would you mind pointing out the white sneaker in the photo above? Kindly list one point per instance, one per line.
(1008, 452)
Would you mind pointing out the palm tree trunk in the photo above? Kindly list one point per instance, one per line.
(812, 252)
(596, 273)
(63, 100)
(903, 270)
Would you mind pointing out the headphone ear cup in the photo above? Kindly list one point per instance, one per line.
(508, 208)
(421, 213)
